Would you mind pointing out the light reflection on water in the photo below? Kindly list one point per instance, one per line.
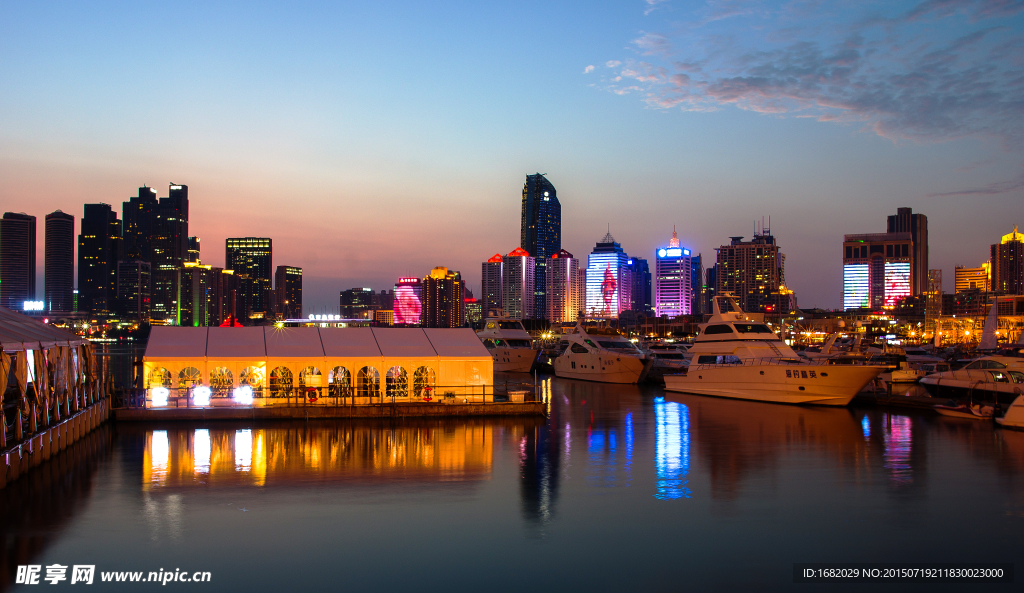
(672, 449)
(898, 438)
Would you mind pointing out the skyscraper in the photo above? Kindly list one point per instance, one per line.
(357, 303)
(673, 272)
(640, 276)
(541, 233)
(877, 269)
(139, 220)
(444, 299)
(17, 260)
(609, 286)
(252, 257)
(979, 278)
(169, 249)
(288, 285)
(754, 271)
(99, 250)
(905, 221)
(518, 284)
(193, 254)
(1008, 263)
(697, 285)
(59, 280)
(134, 282)
(408, 301)
(566, 290)
(491, 275)
(195, 289)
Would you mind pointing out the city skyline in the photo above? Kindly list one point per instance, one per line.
(710, 148)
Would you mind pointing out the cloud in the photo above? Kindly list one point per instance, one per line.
(653, 5)
(991, 189)
(588, 69)
(613, 63)
(653, 44)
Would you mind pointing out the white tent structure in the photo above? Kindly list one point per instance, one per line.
(318, 365)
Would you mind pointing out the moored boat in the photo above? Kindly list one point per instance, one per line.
(510, 345)
(599, 354)
(1014, 416)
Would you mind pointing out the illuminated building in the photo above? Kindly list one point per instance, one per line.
(444, 299)
(408, 303)
(59, 266)
(134, 282)
(385, 317)
(226, 302)
(640, 273)
(877, 269)
(492, 274)
(974, 278)
(754, 271)
(17, 260)
(193, 254)
(673, 272)
(288, 286)
(139, 220)
(253, 258)
(474, 312)
(169, 244)
(518, 284)
(356, 303)
(917, 225)
(609, 281)
(566, 290)
(540, 234)
(1008, 264)
(710, 287)
(195, 285)
(99, 250)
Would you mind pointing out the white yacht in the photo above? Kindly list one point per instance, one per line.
(667, 358)
(743, 359)
(510, 345)
(600, 354)
(997, 377)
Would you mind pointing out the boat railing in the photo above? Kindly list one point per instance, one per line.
(762, 361)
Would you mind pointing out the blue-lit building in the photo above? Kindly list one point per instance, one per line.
(609, 280)
(640, 273)
(540, 234)
(673, 279)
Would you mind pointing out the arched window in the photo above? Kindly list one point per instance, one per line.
(421, 380)
(221, 381)
(280, 382)
(189, 377)
(339, 381)
(310, 377)
(253, 377)
(160, 377)
(367, 382)
(397, 382)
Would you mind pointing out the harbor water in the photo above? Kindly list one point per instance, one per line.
(620, 487)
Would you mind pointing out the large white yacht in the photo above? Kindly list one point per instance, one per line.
(990, 377)
(743, 359)
(510, 345)
(599, 354)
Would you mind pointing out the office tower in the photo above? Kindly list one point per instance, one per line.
(609, 286)
(251, 257)
(696, 285)
(169, 249)
(195, 287)
(491, 285)
(640, 274)
(226, 303)
(541, 233)
(710, 288)
(754, 271)
(383, 300)
(99, 250)
(673, 272)
(288, 287)
(474, 312)
(408, 302)
(1008, 264)
(134, 282)
(59, 262)
(973, 278)
(17, 260)
(566, 289)
(933, 298)
(917, 225)
(193, 251)
(518, 284)
(139, 216)
(877, 269)
(444, 299)
(357, 303)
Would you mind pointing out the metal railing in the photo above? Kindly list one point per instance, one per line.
(770, 361)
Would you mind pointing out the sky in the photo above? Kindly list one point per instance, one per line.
(377, 140)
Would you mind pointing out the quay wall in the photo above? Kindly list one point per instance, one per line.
(398, 410)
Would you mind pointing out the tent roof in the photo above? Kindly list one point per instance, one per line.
(456, 343)
(349, 342)
(293, 342)
(403, 342)
(20, 332)
(235, 342)
(167, 341)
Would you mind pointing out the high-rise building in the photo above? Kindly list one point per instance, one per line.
(518, 284)
(385, 300)
(357, 303)
(444, 299)
(195, 285)
(288, 286)
(169, 244)
(697, 286)
(252, 257)
(673, 272)
(139, 216)
(226, 303)
(567, 282)
(1008, 264)
(640, 276)
(877, 269)
(609, 285)
(710, 288)
(408, 302)
(474, 312)
(973, 278)
(754, 271)
(134, 282)
(492, 274)
(59, 265)
(917, 225)
(17, 260)
(99, 249)
(193, 251)
(541, 233)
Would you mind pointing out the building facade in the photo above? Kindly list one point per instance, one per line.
(169, 244)
(905, 221)
(540, 233)
(491, 275)
(100, 247)
(59, 262)
(357, 303)
(640, 275)
(408, 301)
(288, 286)
(567, 281)
(444, 299)
(673, 272)
(17, 260)
(252, 257)
(1007, 260)
(609, 281)
(134, 282)
(877, 269)
(518, 284)
(973, 278)
(754, 271)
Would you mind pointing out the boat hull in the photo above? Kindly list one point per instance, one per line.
(962, 384)
(599, 368)
(824, 385)
(1014, 417)
(514, 360)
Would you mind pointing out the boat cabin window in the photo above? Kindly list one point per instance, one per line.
(562, 346)
(579, 348)
(669, 355)
(1000, 377)
(717, 329)
(986, 364)
(489, 344)
(499, 343)
(518, 343)
(490, 325)
(727, 359)
(510, 325)
(607, 344)
(590, 343)
(752, 328)
(1016, 376)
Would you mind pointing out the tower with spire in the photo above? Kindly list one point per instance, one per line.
(673, 279)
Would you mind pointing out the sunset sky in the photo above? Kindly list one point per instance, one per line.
(380, 139)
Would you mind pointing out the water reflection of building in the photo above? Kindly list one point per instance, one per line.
(671, 449)
(543, 450)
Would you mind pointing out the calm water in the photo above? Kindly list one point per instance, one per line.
(621, 488)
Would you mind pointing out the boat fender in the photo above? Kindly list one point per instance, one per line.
(311, 394)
